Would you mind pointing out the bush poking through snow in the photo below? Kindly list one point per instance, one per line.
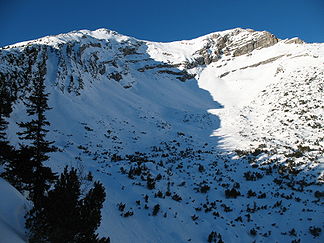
(315, 231)
(213, 237)
(233, 193)
(156, 209)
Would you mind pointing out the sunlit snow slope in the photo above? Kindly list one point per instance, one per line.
(237, 109)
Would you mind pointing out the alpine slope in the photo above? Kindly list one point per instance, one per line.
(215, 139)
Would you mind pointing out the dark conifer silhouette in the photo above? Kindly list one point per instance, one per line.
(18, 168)
(35, 131)
(67, 216)
(5, 110)
(7, 152)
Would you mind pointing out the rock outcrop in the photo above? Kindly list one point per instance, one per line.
(295, 40)
(234, 43)
(259, 40)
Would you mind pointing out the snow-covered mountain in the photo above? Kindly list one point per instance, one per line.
(228, 127)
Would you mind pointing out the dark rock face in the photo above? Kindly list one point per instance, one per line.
(75, 62)
(295, 40)
(263, 41)
(116, 76)
(21, 69)
(199, 61)
(236, 43)
(85, 59)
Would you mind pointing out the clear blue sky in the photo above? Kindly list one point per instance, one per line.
(160, 20)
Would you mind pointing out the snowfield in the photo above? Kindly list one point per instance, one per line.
(12, 211)
(224, 132)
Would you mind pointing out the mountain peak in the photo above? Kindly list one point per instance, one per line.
(73, 36)
(236, 35)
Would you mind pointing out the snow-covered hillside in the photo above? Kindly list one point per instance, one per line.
(223, 132)
(12, 210)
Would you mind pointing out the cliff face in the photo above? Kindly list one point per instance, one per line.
(86, 55)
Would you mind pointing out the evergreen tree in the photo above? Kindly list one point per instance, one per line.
(3, 128)
(6, 149)
(35, 131)
(5, 110)
(7, 152)
(90, 215)
(18, 169)
(57, 219)
(66, 217)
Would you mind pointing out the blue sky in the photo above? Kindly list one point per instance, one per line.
(164, 20)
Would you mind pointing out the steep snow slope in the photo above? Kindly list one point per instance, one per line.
(12, 208)
(195, 118)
